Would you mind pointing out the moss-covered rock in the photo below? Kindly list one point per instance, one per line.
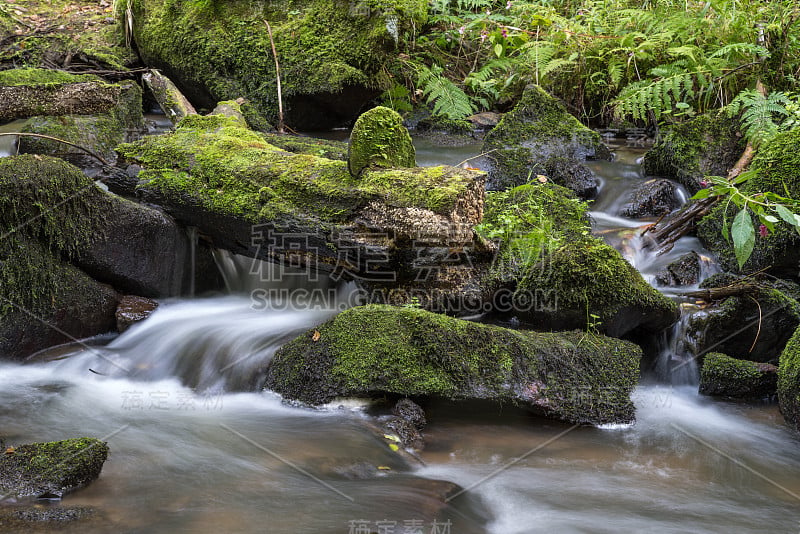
(54, 218)
(777, 168)
(51, 469)
(754, 327)
(536, 131)
(561, 276)
(723, 376)
(708, 145)
(332, 54)
(379, 140)
(377, 350)
(100, 133)
(789, 381)
(30, 92)
(216, 175)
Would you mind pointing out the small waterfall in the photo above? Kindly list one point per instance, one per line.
(191, 231)
(677, 355)
(8, 143)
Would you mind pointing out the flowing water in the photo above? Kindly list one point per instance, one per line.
(193, 449)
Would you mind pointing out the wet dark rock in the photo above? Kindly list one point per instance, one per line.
(410, 436)
(484, 121)
(46, 517)
(537, 130)
(763, 322)
(132, 309)
(723, 376)
(708, 145)
(573, 175)
(411, 412)
(51, 470)
(138, 250)
(446, 132)
(684, 271)
(384, 350)
(652, 198)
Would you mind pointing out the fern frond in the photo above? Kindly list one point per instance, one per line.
(447, 98)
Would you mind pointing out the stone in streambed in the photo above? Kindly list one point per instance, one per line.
(52, 469)
(723, 376)
(652, 198)
(377, 350)
(684, 271)
(536, 137)
(132, 309)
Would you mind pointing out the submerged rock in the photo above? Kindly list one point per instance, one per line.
(379, 140)
(539, 136)
(789, 381)
(132, 309)
(53, 469)
(776, 169)
(332, 54)
(44, 518)
(707, 145)
(375, 350)
(724, 376)
(652, 198)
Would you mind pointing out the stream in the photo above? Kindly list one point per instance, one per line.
(193, 449)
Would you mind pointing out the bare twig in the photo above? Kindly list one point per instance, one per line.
(94, 155)
(278, 74)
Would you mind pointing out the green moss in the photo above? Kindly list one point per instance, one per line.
(100, 133)
(52, 467)
(235, 171)
(707, 145)
(382, 349)
(47, 207)
(777, 169)
(444, 124)
(34, 76)
(789, 381)
(322, 46)
(311, 146)
(379, 139)
(729, 377)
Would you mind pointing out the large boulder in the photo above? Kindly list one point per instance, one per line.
(537, 137)
(723, 376)
(753, 326)
(776, 169)
(332, 54)
(562, 277)
(255, 199)
(789, 381)
(99, 132)
(708, 145)
(53, 469)
(57, 220)
(378, 350)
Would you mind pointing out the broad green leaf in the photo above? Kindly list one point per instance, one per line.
(498, 49)
(785, 214)
(744, 236)
(703, 193)
(770, 218)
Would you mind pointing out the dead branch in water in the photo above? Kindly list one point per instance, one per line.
(718, 293)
